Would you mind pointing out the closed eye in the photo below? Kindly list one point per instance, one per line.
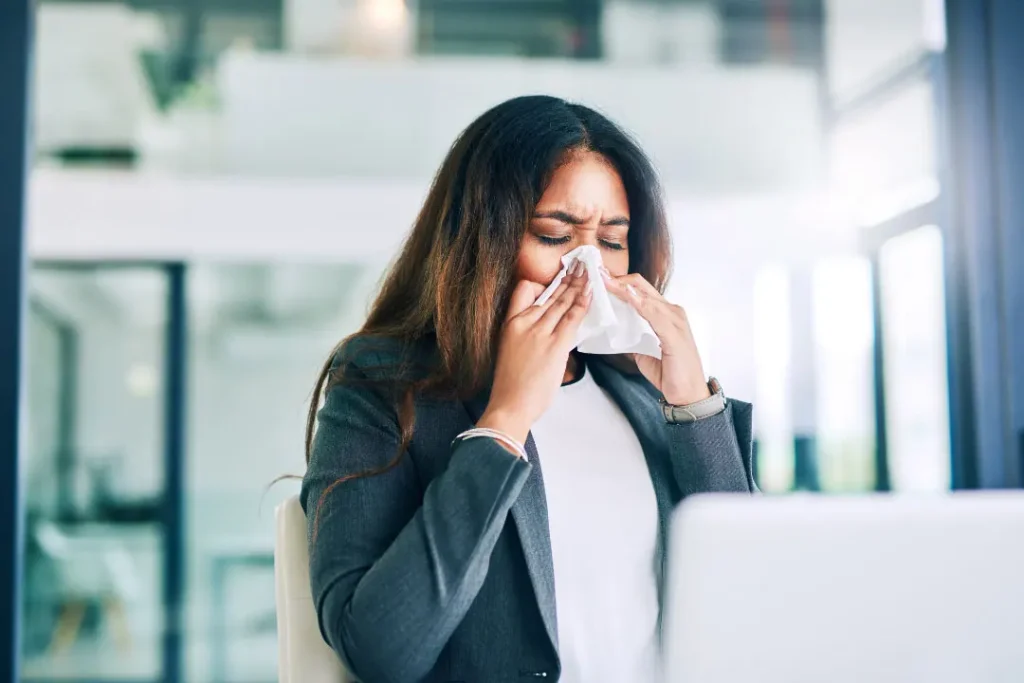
(556, 241)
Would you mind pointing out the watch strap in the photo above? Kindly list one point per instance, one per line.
(709, 407)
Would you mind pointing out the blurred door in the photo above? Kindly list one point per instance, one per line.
(50, 339)
(911, 297)
(92, 600)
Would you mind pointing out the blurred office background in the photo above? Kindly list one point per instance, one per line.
(218, 186)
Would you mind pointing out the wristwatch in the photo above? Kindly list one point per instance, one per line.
(712, 405)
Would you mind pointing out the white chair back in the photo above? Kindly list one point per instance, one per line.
(303, 656)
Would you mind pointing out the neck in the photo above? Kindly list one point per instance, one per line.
(572, 369)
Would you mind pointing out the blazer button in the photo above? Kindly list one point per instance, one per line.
(533, 674)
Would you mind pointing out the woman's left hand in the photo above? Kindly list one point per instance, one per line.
(679, 375)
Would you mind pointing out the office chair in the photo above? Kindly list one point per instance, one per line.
(303, 656)
(91, 570)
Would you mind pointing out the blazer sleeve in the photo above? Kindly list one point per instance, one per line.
(714, 454)
(393, 566)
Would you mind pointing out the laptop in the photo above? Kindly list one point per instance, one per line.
(872, 589)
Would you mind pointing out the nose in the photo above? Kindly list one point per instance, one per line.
(586, 234)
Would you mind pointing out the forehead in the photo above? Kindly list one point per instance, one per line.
(586, 183)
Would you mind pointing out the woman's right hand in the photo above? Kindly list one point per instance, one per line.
(534, 351)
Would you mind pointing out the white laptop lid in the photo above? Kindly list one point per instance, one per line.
(878, 588)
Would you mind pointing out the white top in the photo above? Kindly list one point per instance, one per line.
(603, 517)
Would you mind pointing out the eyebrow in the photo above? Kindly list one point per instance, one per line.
(566, 217)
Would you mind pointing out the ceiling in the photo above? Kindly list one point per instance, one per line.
(193, 34)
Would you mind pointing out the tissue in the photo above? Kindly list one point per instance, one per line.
(611, 325)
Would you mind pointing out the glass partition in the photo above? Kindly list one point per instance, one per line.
(258, 335)
(92, 605)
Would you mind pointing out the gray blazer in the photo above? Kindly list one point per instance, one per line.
(440, 569)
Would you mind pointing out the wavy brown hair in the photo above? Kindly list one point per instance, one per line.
(450, 286)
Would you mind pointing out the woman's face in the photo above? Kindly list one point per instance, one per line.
(585, 203)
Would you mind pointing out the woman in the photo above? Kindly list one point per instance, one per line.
(438, 549)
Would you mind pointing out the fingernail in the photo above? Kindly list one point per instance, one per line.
(604, 273)
(579, 268)
(589, 289)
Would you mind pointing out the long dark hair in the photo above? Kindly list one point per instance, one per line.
(450, 286)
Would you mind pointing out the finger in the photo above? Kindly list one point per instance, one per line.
(570, 323)
(558, 308)
(534, 311)
(635, 289)
(571, 272)
(666, 318)
(633, 284)
(619, 289)
(626, 292)
(523, 296)
(642, 285)
(559, 291)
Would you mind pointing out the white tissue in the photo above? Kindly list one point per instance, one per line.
(611, 325)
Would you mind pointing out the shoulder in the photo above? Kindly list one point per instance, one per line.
(382, 359)
(366, 377)
(360, 392)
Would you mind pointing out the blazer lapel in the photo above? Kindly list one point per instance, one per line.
(530, 514)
